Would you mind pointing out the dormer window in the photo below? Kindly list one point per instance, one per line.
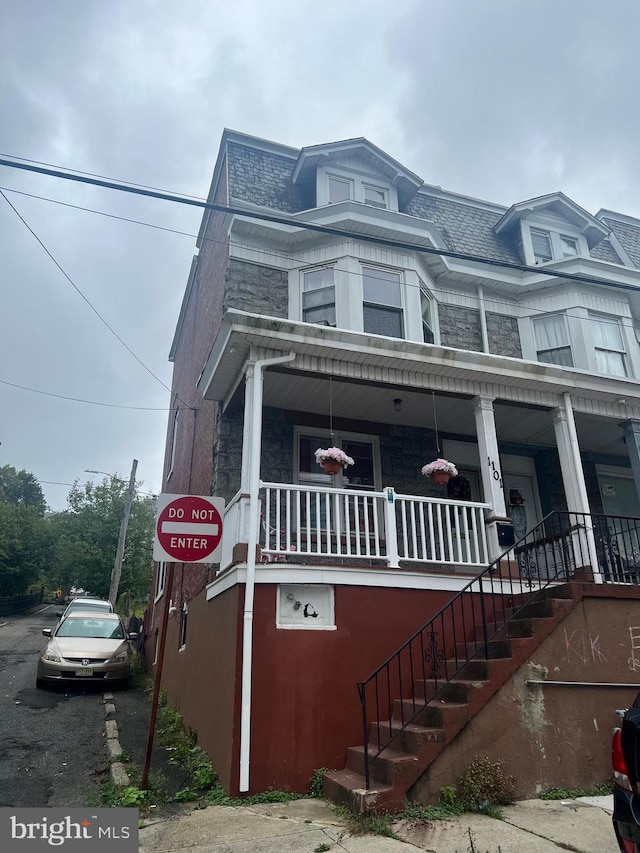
(339, 189)
(553, 246)
(375, 196)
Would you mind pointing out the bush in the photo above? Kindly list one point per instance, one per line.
(485, 785)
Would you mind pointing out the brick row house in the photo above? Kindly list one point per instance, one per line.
(338, 300)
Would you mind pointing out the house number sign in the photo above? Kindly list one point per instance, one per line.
(495, 472)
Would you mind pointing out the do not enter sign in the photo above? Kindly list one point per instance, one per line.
(188, 528)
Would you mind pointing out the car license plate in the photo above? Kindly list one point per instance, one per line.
(85, 670)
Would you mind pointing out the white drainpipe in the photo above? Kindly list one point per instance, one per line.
(254, 497)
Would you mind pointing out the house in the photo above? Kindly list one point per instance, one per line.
(338, 300)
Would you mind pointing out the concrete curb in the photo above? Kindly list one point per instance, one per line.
(119, 775)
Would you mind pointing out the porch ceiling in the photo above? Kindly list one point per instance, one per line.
(374, 404)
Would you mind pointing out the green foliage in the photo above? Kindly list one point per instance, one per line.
(86, 538)
(443, 811)
(316, 782)
(115, 796)
(20, 488)
(602, 790)
(25, 548)
(376, 824)
(321, 848)
(485, 786)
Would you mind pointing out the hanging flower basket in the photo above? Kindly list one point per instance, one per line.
(332, 460)
(440, 471)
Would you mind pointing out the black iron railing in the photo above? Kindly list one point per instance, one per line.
(467, 627)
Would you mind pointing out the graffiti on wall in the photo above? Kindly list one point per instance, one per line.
(581, 646)
(634, 639)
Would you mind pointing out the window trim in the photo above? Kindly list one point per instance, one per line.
(303, 274)
(184, 613)
(555, 232)
(173, 444)
(317, 477)
(342, 180)
(568, 345)
(594, 316)
(161, 580)
(401, 309)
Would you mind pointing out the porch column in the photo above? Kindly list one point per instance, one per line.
(575, 487)
(490, 471)
(631, 431)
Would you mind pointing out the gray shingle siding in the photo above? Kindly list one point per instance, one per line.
(465, 228)
(264, 178)
(604, 251)
(629, 237)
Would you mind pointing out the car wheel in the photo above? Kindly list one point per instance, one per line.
(41, 684)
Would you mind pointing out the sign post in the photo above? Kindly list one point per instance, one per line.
(188, 530)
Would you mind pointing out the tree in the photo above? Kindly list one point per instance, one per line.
(25, 542)
(21, 488)
(86, 538)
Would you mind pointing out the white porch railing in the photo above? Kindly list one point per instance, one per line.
(326, 522)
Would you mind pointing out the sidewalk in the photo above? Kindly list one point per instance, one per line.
(304, 826)
(307, 826)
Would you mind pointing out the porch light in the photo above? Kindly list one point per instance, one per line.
(397, 404)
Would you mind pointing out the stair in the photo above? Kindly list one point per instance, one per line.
(420, 728)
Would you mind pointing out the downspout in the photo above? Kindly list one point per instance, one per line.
(252, 542)
(580, 485)
(483, 320)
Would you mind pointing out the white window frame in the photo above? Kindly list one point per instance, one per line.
(426, 297)
(568, 345)
(594, 317)
(358, 180)
(342, 180)
(556, 233)
(401, 309)
(184, 613)
(161, 577)
(303, 273)
(382, 190)
(319, 478)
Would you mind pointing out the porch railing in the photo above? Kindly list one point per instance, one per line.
(321, 521)
(466, 627)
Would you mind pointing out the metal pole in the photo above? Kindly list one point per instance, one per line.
(117, 566)
(168, 590)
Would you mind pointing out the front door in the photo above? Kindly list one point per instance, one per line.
(619, 534)
(521, 501)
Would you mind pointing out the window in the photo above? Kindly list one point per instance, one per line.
(426, 304)
(340, 189)
(160, 579)
(541, 242)
(375, 196)
(382, 302)
(552, 340)
(319, 296)
(609, 347)
(568, 246)
(553, 246)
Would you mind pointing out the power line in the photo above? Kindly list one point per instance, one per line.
(497, 300)
(89, 303)
(310, 226)
(81, 400)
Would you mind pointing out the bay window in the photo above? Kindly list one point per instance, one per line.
(319, 296)
(552, 340)
(382, 302)
(609, 345)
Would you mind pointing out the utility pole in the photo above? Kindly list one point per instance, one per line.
(117, 566)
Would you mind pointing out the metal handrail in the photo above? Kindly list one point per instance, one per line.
(463, 630)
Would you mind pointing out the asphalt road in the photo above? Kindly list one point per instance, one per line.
(51, 741)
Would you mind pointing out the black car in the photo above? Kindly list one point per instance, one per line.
(626, 772)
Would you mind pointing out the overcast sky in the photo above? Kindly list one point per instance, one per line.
(498, 99)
